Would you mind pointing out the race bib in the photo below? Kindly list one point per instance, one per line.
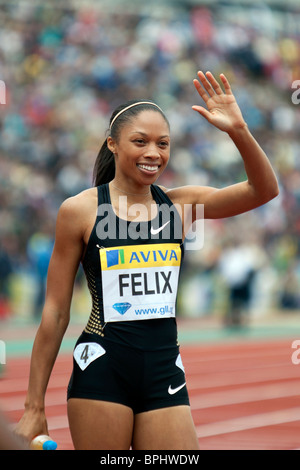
(140, 282)
(85, 353)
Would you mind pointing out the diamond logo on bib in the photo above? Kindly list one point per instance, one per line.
(122, 307)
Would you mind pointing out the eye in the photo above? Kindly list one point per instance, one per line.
(139, 141)
(164, 144)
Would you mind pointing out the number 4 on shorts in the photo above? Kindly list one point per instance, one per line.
(85, 353)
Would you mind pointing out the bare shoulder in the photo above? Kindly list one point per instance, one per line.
(79, 203)
(168, 191)
(77, 211)
(174, 194)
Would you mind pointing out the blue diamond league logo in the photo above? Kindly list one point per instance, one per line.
(122, 307)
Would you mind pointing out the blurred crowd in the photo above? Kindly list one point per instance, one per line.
(66, 69)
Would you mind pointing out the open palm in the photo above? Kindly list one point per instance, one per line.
(222, 109)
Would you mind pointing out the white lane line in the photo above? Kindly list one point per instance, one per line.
(248, 422)
(58, 422)
(239, 377)
(16, 403)
(21, 385)
(244, 395)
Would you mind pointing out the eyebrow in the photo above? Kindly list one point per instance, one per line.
(146, 135)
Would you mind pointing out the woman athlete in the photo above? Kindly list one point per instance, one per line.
(128, 385)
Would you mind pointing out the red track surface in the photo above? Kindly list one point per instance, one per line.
(244, 395)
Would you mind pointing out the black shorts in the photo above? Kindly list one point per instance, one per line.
(142, 380)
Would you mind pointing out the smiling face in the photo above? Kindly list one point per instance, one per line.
(141, 151)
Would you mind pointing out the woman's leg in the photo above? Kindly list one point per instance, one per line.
(165, 429)
(100, 425)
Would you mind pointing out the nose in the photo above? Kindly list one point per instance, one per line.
(152, 151)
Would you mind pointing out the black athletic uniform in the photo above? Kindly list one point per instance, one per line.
(128, 352)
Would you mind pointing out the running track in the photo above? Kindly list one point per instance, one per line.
(244, 394)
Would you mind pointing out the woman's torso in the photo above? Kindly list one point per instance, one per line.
(132, 270)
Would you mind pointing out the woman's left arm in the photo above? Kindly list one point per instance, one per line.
(261, 185)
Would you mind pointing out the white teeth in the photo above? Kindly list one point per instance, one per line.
(148, 167)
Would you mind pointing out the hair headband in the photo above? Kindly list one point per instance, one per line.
(131, 106)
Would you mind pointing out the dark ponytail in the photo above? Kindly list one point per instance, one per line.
(104, 168)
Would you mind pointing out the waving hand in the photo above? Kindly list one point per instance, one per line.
(222, 109)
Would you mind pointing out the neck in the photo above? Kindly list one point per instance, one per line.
(122, 200)
(142, 193)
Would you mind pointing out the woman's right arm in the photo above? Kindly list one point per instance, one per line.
(62, 270)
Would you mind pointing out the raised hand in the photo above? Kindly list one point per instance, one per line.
(222, 109)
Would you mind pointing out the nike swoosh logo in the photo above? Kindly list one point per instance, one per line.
(171, 390)
(154, 231)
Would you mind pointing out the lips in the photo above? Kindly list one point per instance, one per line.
(148, 168)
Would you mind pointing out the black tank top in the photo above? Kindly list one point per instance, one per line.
(132, 270)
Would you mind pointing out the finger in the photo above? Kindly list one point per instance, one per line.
(226, 84)
(206, 114)
(201, 91)
(206, 83)
(214, 83)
